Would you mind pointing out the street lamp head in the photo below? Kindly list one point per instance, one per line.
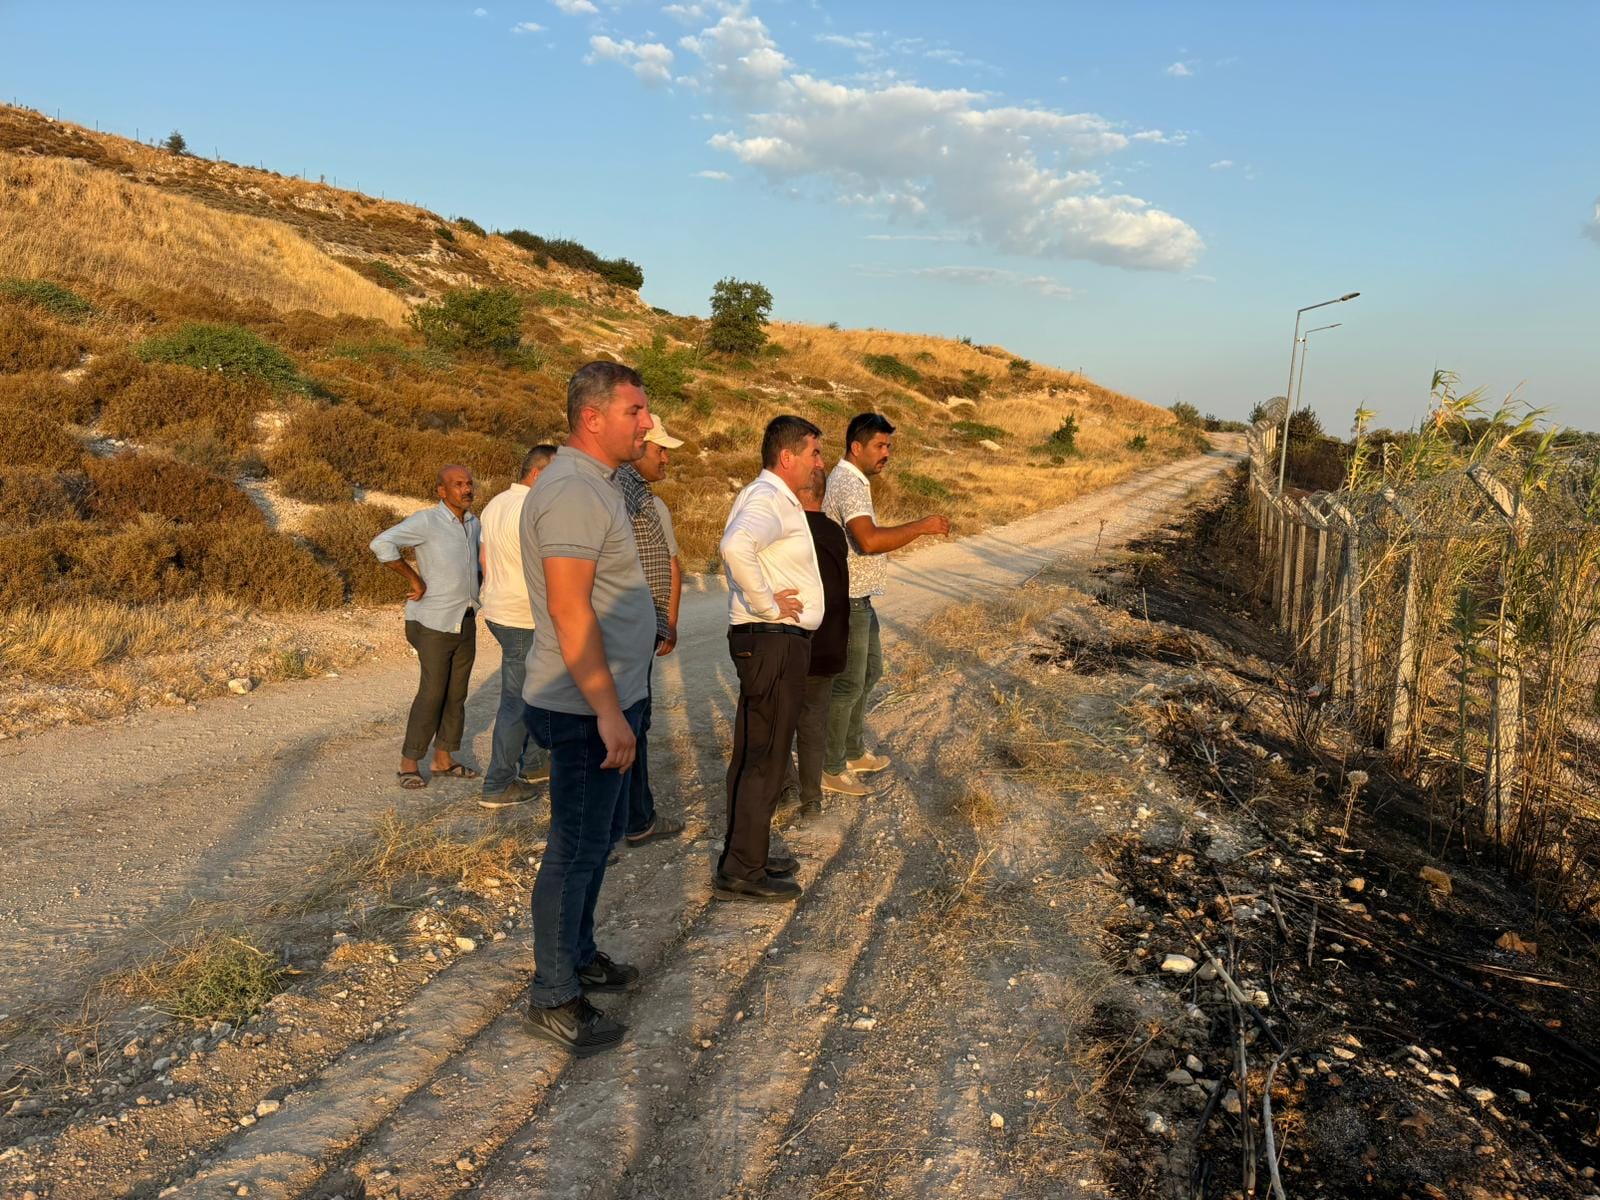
(1349, 296)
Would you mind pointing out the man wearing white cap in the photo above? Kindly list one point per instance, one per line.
(658, 555)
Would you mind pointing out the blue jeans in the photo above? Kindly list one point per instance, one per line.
(863, 667)
(588, 813)
(641, 800)
(510, 744)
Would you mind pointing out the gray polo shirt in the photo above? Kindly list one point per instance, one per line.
(576, 511)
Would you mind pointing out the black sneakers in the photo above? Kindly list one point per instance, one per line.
(603, 975)
(578, 1025)
(772, 888)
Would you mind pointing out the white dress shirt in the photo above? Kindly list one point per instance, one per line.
(447, 559)
(767, 548)
(505, 592)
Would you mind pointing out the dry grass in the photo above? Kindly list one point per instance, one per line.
(63, 219)
(77, 637)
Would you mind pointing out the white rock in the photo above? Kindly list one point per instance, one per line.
(1180, 1077)
(267, 1107)
(865, 1024)
(1481, 1094)
(1230, 1102)
(1155, 1123)
(988, 445)
(1178, 964)
(996, 1121)
(1511, 1064)
(241, 686)
(465, 944)
(1194, 1066)
(1520, 1096)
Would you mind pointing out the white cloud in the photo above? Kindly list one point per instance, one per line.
(1180, 70)
(719, 176)
(1017, 178)
(1202, 279)
(1041, 285)
(651, 61)
(1222, 164)
(480, 12)
(1592, 228)
(527, 27)
(913, 237)
(1161, 139)
(576, 8)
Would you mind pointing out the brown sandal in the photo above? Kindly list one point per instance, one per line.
(410, 780)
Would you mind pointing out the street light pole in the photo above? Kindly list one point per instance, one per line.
(1305, 348)
(1288, 398)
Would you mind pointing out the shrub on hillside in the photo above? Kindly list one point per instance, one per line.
(977, 431)
(1019, 367)
(140, 563)
(1305, 425)
(739, 312)
(619, 271)
(382, 274)
(31, 495)
(248, 561)
(665, 370)
(30, 436)
(29, 342)
(1065, 439)
(341, 534)
(1138, 442)
(162, 396)
(924, 487)
(444, 233)
(103, 377)
(47, 393)
(887, 366)
(231, 349)
(122, 487)
(471, 226)
(35, 562)
(1187, 414)
(175, 143)
(472, 319)
(314, 482)
(50, 297)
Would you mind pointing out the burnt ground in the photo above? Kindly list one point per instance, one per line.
(1436, 1038)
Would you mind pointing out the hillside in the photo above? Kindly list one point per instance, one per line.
(214, 394)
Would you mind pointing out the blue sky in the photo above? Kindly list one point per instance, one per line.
(1145, 191)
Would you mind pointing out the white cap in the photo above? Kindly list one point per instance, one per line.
(659, 435)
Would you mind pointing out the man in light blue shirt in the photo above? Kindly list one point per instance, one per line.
(441, 624)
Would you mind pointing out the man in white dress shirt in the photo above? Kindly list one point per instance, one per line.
(509, 615)
(774, 604)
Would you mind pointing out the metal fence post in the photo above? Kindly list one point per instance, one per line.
(1502, 757)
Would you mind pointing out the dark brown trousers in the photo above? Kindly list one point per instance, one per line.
(772, 685)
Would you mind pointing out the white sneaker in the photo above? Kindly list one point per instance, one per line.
(867, 764)
(844, 784)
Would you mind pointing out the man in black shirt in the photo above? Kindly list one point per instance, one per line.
(827, 646)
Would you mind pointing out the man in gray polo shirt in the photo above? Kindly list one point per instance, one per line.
(588, 676)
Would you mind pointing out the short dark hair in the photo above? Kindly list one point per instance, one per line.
(591, 386)
(864, 427)
(539, 456)
(785, 433)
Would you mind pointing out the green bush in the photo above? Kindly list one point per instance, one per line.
(977, 431)
(665, 370)
(314, 482)
(472, 319)
(384, 275)
(1065, 439)
(620, 271)
(174, 143)
(51, 297)
(1019, 366)
(1138, 442)
(444, 233)
(120, 488)
(1305, 426)
(231, 349)
(470, 226)
(1187, 414)
(739, 312)
(341, 535)
(887, 366)
(36, 438)
(924, 486)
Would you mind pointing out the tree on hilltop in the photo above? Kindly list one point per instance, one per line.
(739, 311)
(175, 143)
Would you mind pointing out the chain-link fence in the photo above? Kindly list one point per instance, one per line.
(1454, 618)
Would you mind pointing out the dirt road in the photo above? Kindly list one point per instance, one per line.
(115, 829)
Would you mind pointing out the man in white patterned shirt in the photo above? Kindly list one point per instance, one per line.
(868, 442)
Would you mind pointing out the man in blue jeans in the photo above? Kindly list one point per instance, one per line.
(848, 501)
(509, 615)
(588, 676)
